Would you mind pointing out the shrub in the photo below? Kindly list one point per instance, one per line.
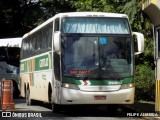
(145, 83)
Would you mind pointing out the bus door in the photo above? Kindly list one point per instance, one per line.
(57, 81)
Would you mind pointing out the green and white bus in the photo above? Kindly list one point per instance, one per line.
(80, 58)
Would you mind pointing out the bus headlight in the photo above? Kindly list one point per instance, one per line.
(70, 86)
(126, 86)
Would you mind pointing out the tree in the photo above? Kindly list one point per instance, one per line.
(97, 5)
(18, 16)
(21, 16)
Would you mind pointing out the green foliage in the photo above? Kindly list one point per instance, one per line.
(132, 8)
(52, 7)
(93, 5)
(145, 83)
(20, 16)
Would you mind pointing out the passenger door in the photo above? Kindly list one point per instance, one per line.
(57, 78)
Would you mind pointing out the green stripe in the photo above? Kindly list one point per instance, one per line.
(50, 60)
(99, 82)
(41, 63)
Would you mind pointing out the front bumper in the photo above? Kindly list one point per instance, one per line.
(71, 96)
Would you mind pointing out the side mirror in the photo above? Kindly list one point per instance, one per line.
(57, 43)
(139, 40)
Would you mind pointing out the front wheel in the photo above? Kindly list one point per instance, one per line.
(15, 90)
(55, 108)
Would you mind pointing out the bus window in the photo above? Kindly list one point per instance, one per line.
(56, 26)
(13, 55)
(49, 40)
(2, 54)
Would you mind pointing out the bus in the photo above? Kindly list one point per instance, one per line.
(10, 61)
(80, 58)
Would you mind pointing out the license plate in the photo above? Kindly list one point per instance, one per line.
(99, 97)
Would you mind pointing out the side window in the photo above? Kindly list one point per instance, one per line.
(22, 50)
(49, 41)
(46, 38)
(38, 42)
(13, 56)
(3, 54)
(56, 25)
(25, 48)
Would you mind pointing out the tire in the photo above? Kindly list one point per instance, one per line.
(28, 99)
(15, 90)
(55, 108)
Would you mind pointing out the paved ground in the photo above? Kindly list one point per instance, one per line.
(137, 111)
(145, 108)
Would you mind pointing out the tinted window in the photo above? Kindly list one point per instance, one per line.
(37, 43)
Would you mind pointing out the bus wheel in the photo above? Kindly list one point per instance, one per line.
(55, 108)
(15, 90)
(28, 99)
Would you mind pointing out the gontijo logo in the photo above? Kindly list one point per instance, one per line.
(43, 62)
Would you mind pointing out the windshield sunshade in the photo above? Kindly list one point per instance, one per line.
(101, 25)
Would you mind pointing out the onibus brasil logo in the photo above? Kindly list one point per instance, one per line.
(23, 114)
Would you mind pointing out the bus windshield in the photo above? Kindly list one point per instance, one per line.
(101, 25)
(96, 56)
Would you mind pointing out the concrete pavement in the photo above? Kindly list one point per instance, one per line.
(145, 110)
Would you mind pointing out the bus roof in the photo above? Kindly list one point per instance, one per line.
(11, 42)
(98, 14)
(77, 14)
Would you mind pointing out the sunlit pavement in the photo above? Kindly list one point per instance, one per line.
(85, 112)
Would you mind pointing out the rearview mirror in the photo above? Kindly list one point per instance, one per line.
(139, 42)
(57, 41)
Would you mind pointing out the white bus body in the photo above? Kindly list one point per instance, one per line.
(55, 57)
